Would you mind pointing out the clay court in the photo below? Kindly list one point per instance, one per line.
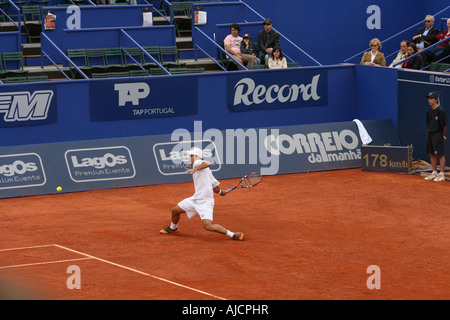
(308, 236)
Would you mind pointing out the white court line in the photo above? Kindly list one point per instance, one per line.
(140, 272)
(42, 263)
(23, 248)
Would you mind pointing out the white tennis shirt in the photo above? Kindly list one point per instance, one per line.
(204, 182)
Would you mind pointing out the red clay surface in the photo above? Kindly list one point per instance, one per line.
(308, 236)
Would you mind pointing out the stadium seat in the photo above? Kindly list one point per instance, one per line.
(114, 59)
(15, 58)
(37, 78)
(96, 59)
(133, 57)
(169, 56)
(440, 67)
(183, 18)
(78, 57)
(32, 22)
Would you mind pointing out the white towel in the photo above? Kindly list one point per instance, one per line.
(365, 137)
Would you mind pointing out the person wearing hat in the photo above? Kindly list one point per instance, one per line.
(437, 125)
(267, 40)
(247, 47)
(202, 202)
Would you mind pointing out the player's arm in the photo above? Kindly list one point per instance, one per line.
(203, 165)
(220, 191)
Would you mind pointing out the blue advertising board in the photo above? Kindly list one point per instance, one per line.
(143, 98)
(36, 105)
(148, 160)
(278, 90)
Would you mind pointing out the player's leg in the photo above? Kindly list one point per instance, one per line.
(176, 213)
(210, 226)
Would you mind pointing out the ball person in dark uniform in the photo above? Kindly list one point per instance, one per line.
(437, 125)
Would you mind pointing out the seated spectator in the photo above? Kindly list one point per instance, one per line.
(247, 47)
(232, 44)
(414, 63)
(267, 40)
(374, 57)
(401, 55)
(426, 37)
(277, 61)
(441, 36)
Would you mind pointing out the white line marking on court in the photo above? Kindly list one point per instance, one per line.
(42, 263)
(23, 248)
(140, 272)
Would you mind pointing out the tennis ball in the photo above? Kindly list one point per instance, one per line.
(59, 189)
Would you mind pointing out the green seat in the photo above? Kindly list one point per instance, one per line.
(13, 64)
(114, 59)
(157, 72)
(79, 58)
(195, 70)
(100, 75)
(121, 74)
(139, 73)
(37, 78)
(293, 64)
(182, 17)
(177, 70)
(32, 22)
(133, 58)
(155, 52)
(169, 57)
(14, 80)
(96, 61)
(222, 58)
(439, 67)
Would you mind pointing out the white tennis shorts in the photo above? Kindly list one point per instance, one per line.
(192, 207)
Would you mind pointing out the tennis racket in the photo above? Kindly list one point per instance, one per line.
(248, 181)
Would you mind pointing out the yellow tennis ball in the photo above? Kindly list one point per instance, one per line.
(59, 189)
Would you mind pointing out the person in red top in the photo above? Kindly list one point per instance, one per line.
(439, 49)
(414, 63)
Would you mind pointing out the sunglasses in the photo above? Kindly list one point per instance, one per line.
(428, 21)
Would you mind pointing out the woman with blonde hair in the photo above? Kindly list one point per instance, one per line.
(374, 57)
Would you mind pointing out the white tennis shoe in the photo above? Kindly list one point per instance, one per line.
(439, 178)
(431, 177)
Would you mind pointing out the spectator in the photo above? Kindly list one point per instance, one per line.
(277, 61)
(247, 47)
(374, 57)
(401, 55)
(441, 36)
(426, 37)
(267, 40)
(414, 63)
(232, 44)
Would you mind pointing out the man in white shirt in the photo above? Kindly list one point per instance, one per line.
(401, 54)
(202, 202)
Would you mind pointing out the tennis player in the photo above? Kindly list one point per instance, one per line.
(202, 202)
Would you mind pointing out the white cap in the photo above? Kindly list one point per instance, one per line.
(196, 152)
